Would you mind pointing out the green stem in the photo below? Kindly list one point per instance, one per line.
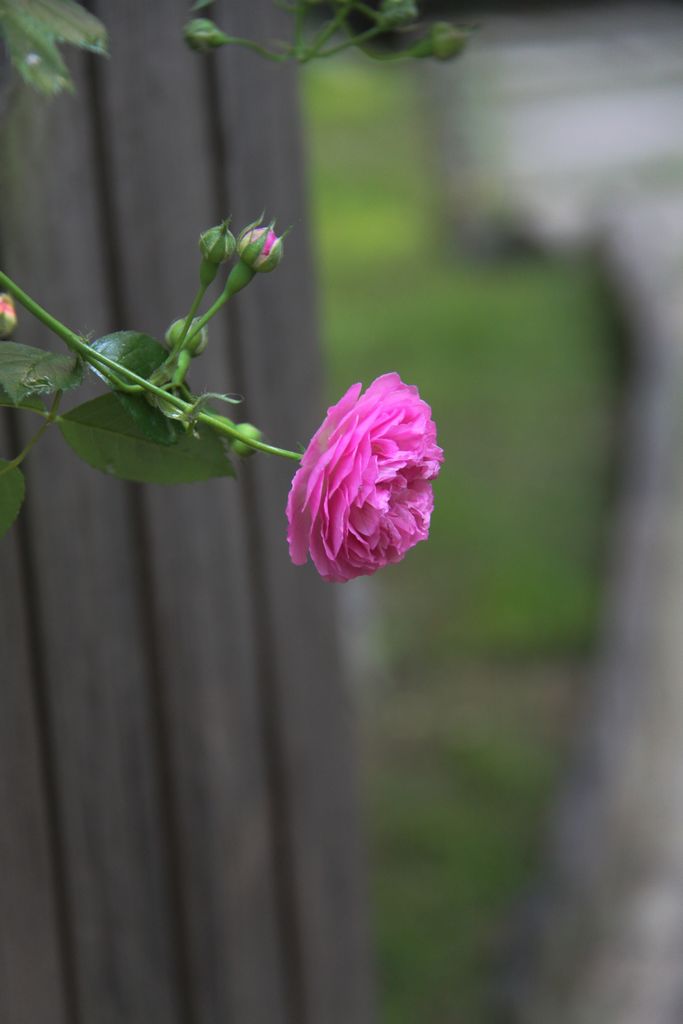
(76, 344)
(185, 407)
(56, 326)
(299, 18)
(211, 312)
(376, 55)
(354, 41)
(248, 44)
(191, 315)
(50, 418)
(328, 31)
(369, 12)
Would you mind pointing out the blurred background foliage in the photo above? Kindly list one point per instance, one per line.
(484, 630)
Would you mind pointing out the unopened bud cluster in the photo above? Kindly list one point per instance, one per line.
(258, 248)
(441, 40)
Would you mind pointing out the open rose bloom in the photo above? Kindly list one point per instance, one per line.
(363, 494)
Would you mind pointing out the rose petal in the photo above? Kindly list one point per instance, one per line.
(362, 496)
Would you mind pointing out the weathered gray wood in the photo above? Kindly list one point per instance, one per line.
(33, 971)
(610, 931)
(88, 603)
(311, 752)
(195, 724)
(163, 193)
(32, 982)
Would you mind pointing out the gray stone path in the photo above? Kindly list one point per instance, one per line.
(562, 119)
(571, 126)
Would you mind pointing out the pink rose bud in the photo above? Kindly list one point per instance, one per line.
(260, 248)
(362, 496)
(8, 316)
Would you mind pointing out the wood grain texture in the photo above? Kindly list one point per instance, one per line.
(197, 556)
(87, 601)
(302, 682)
(195, 724)
(34, 972)
(32, 981)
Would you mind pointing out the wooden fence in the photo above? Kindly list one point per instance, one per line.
(178, 823)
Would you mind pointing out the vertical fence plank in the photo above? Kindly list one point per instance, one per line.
(32, 983)
(82, 541)
(199, 733)
(300, 667)
(163, 195)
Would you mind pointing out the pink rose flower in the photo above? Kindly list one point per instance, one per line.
(362, 496)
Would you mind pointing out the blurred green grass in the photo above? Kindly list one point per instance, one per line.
(458, 774)
(516, 361)
(511, 357)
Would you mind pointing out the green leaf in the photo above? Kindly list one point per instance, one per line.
(105, 436)
(33, 52)
(11, 495)
(137, 352)
(26, 403)
(150, 420)
(69, 23)
(141, 354)
(32, 28)
(25, 370)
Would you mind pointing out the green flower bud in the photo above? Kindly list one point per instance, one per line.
(448, 40)
(249, 430)
(8, 316)
(443, 41)
(260, 248)
(174, 333)
(398, 12)
(203, 34)
(198, 343)
(217, 244)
